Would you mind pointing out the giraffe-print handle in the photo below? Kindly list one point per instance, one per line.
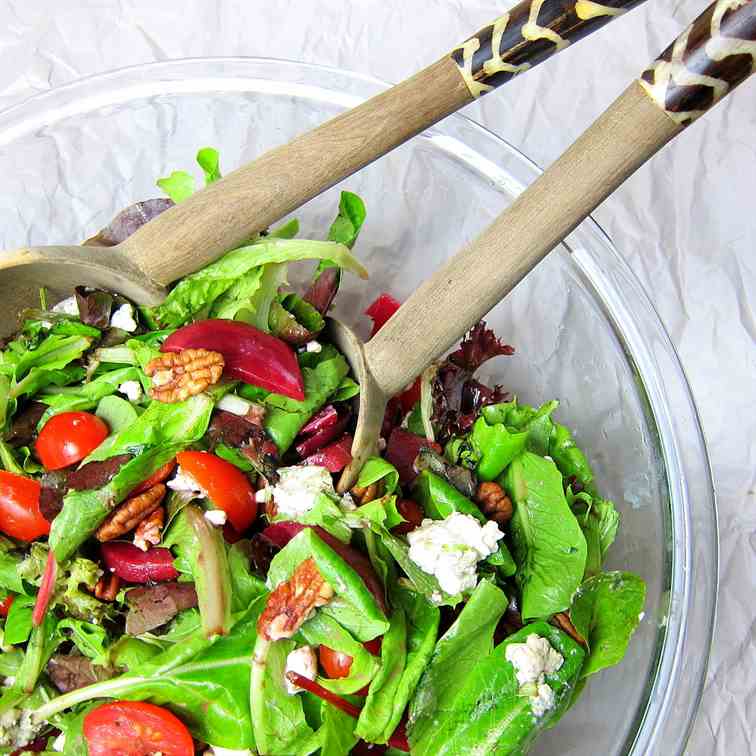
(527, 34)
(709, 59)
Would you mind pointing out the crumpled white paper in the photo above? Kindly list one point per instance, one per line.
(685, 222)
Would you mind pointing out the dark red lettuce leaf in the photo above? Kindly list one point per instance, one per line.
(24, 426)
(402, 450)
(152, 606)
(262, 453)
(130, 220)
(323, 289)
(94, 306)
(478, 346)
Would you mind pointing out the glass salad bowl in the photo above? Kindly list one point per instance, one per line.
(583, 329)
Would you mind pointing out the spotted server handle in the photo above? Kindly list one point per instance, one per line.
(707, 61)
(527, 34)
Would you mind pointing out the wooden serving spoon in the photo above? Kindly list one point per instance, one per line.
(228, 212)
(707, 61)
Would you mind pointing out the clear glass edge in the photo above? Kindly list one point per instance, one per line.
(669, 715)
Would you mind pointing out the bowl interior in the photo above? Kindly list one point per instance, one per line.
(71, 160)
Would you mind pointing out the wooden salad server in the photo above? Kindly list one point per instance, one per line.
(706, 62)
(250, 199)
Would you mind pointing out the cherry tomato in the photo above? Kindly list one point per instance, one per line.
(412, 512)
(68, 437)
(226, 485)
(161, 474)
(5, 604)
(334, 663)
(135, 728)
(20, 516)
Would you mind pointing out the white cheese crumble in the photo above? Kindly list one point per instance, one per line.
(17, 728)
(68, 306)
(132, 390)
(263, 495)
(451, 548)
(314, 346)
(533, 660)
(234, 404)
(123, 318)
(303, 661)
(59, 744)
(216, 517)
(185, 483)
(298, 488)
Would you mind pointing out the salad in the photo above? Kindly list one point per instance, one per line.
(179, 575)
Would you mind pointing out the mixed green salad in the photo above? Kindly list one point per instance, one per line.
(179, 575)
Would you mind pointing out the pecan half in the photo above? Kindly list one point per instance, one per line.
(366, 494)
(291, 603)
(130, 513)
(150, 529)
(107, 587)
(494, 503)
(178, 375)
(564, 623)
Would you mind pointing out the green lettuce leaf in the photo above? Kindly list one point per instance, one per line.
(549, 546)
(18, 623)
(90, 639)
(599, 521)
(336, 732)
(439, 499)
(178, 186)
(605, 611)
(378, 469)
(209, 160)
(246, 587)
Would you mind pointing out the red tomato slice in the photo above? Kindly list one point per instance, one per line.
(160, 475)
(135, 728)
(5, 604)
(334, 663)
(226, 485)
(68, 437)
(20, 516)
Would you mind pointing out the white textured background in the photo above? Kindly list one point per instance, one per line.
(686, 222)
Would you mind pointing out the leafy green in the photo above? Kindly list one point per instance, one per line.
(234, 456)
(460, 649)
(322, 373)
(495, 446)
(209, 160)
(248, 298)
(18, 624)
(439, 499)
(378, 469)
(10, 560)
(246, 587)
(487, 711)
(347, 389)
(405, 652)
(570, 460)
(83, 511)
(116, 412)
(42, 644)
(201, 547)
(90, 639)
(280, 727)
(605, 611)
(206, 682)
(599, 521)
(324, 630)
(336, 732)
(326, 513)
(354, 607)
(549, 546)
(161, 423)
(502, 561)
(178, 186)
(198, 292)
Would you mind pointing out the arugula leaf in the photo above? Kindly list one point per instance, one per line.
(199, 291)
(83, 511)
(280, 727)
(202, 549)
(322, 374)
(549, 546)
(405, 652)
(206, 682)
(487, 711)
(605, 611)
(90, 639)
(354, 607)
(324, 630)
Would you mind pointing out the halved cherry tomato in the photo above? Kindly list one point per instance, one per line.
(68, 437)
(20, 516)
(5, 604)
(135, 728)
(334, 663)
(226, 485)
(161, 474)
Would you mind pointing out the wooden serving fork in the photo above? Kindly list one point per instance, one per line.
(706, 62)
(253, 197)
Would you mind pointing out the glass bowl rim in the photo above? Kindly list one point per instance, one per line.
(670, 708)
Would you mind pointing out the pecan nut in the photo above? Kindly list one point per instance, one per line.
(366, 494)
(107, 587)
(563, 622)
(292, 602)
(178, 375)
(494, 503)
(150, 529)
(130, 513)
